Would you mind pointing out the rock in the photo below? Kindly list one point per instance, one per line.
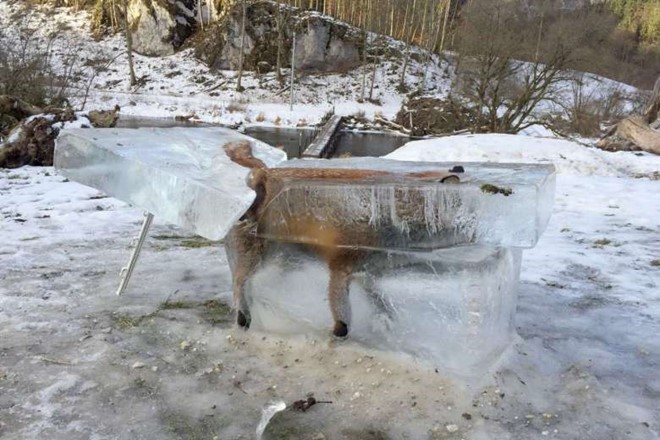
(137, 365)
(104, 118)
(185, 345)
(32, 143)
(451, 427)
(325, 46)
(160, 26)
(321, 44)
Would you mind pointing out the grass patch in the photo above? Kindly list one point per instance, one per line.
(174, 305)
(655, 263)
(198, 243)
(187, 242)
(216, 312)
(167, 237)
(602, 242)
(125, 322)
(492, 189)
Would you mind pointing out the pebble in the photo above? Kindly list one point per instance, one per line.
(451, 427)
(106, 330)
(318, 436)
(356, 396)
(138, 365)
(185, 345)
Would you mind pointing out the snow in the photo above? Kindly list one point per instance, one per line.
(588, 317)
(180, 85)
(569, 157)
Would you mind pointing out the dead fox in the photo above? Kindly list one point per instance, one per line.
(341, 245)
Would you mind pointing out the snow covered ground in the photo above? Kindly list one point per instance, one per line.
(180, 85)
(165, 361)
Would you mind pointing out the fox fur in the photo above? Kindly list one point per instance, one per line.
(340, 246)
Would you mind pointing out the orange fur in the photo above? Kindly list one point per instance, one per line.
(329, 241)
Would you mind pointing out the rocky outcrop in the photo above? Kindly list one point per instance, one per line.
(160, 26)
(321, 44)
(104, 118)
(32, 141)
(32, 144)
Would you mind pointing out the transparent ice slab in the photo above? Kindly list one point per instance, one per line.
(181, 175)
(452, 307)
(505, 205)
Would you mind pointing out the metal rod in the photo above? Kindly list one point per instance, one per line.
(126, 272)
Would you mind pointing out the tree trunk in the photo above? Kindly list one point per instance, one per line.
(653, 108)
(129, 45)
(239, 87)
(279, 20)
(16, 107)
(636, 130)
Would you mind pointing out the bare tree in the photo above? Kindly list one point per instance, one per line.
(504, 91)
(239, 87)
(129, 45)
(282, 16)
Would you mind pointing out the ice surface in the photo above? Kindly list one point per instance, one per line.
(506, 205)
(453, 307)
(181, 175)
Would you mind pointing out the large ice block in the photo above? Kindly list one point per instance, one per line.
(452, 307)
(180, 175)
(506, 205)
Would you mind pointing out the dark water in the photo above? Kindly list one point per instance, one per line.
(293, 140)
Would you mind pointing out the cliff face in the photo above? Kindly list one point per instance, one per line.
(160, 26)
(321, 44)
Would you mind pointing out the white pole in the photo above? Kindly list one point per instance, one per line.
(293, 68)
(126, 272)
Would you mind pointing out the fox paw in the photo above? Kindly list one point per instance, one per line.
(340, 330)
(243, 320)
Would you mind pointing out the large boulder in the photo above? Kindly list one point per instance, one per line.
(321, 44)
(160, 26)
(32, 143)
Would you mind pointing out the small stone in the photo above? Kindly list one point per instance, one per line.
(318, 436)
(154, 368)
(451, 427)
(106, 330)
(356, 395)
(185, 345)
(545, 432)
(84, 338)
(138, 365)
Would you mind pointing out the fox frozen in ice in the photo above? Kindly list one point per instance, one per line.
(341, 245)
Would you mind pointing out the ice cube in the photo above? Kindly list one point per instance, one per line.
(506, 205)
(451, 307)
(181, 175)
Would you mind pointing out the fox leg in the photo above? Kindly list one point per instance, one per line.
(341, 273)
(244, 250)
